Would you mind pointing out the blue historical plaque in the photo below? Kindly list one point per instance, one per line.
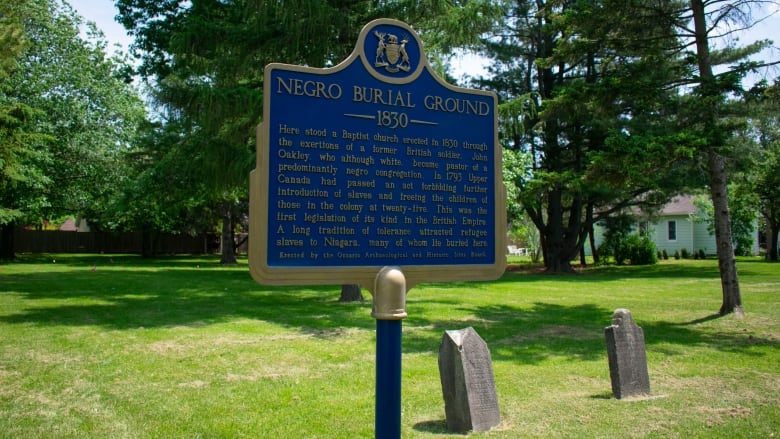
(375, 162)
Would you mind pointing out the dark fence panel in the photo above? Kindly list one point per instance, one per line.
(34, 241)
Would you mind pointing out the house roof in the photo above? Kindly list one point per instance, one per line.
(69, 226)
(680, 205)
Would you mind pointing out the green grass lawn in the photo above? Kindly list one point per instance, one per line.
(98, 346)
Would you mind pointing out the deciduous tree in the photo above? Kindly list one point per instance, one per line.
(763, 171)
(64, 89)
(21, 150)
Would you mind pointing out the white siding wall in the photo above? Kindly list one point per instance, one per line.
(704, 240)
(685, 234)
(690, 235)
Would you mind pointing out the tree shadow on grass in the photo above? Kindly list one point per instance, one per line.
(691, 334)
(546, 330)
(156, 295)
(77, 260)
(436, 427)
(165, 297)
(704, 319)
(591, 274)
(528, 335)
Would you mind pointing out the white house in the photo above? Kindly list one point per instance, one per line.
(675, 228)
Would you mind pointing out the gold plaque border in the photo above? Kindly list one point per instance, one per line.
(365, 275)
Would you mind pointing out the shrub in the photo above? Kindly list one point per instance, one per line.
(666, 255)
(640, 250)
(676, 254)
(616, 230)
(701, 254)
(684, 253)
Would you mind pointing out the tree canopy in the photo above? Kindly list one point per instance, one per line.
(761, 172)
(619, 104)
(68, 111)
(605, 106)
(206, 62)
(585, 92)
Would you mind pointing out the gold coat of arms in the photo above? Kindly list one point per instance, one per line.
(390, 53)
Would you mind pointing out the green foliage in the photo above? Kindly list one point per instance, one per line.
(23, 157)
(22, 152)
(638, 250)
(760, 173)
(516, 169)
(206, 62)
(743, 214)
(624, 245)
(66, 114)
(160, 194)
(684, 253)
(12, 41)
(616, 230)
(584, 92)
(522, 231)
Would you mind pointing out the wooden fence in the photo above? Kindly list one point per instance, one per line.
(34, 241)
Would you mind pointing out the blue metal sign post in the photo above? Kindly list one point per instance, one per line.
(387, 424)
(374, 170)
(388, 310)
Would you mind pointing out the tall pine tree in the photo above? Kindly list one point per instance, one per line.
(206, 60)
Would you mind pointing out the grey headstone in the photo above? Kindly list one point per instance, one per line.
(466, 371)
(627, 359)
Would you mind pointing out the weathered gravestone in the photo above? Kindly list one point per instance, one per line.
(470, 400)
(627, 359)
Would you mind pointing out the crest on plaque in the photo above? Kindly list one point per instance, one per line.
(392, 87)
(391, 53)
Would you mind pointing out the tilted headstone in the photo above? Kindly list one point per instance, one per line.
(627, 359)
(466, 371)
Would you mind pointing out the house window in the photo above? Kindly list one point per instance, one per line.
(672, 230)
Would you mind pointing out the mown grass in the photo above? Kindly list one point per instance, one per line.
(97, 346)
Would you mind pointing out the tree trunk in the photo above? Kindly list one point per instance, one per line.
(771, 239)
(228, 246)
(149, 243)
(556, 258)
(559, 250)
(351, 293)
(593, 249)
(7, 244)
(732, 298)
(555, 255)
